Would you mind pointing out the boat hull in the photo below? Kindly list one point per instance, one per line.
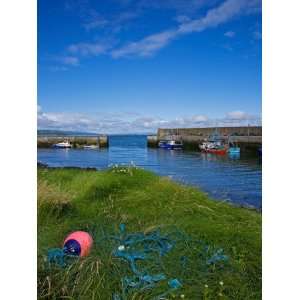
(234, 150)
(162, 145)
(170, 146)
(61, 147)
(173, 147)
(216, 151)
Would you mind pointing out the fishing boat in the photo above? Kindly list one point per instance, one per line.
(234, 156)
(217, 150)
(207, 145)
(234, 150)
(62, 145)
(170, 144)
(174, 145)
(233, 147)
(162, 144)
(212, 147)
(214, 144)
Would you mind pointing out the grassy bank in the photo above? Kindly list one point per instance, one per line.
(72, 199)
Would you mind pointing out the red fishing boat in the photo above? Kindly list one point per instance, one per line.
(215, 144)
(221, 151)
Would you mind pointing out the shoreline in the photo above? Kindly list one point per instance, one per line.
(245, 206)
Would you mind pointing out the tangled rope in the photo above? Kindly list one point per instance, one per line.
(149, 248)
(152, 246)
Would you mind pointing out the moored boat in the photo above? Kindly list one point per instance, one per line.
(207, 145)
(62, 145)
(234, 150)
(162, 144)
(234, 155)
(170, 144)
(215, 144)
(174, 145)
(233, 146)
(212, 147)
(219, 151)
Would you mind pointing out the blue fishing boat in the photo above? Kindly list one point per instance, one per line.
(174, 145)
(234, 156)
(170, 144)
(162, 144)
(233, 147)
(234, 150)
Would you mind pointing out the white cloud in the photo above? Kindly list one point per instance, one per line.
(229, 34)
(237, 115)
(86, 49)
(95, 24)
(68, 60)
(214, 17)
(146, 46)
(182, 19)
(124, 122)
(76, 51)
(58, 68)
(199, 118)
(152, 43)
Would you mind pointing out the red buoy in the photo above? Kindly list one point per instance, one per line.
(78, 243)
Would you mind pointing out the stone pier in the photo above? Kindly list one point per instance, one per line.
(75, 141)
(246, 137)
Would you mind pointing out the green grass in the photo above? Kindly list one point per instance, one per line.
(72, 199)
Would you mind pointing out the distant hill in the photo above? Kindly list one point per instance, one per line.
(48, 132)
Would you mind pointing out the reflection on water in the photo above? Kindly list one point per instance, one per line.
(235, 178)
(234, 155)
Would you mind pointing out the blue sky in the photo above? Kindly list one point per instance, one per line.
(117, 66)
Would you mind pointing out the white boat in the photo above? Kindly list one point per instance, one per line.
(62, 145)
(90, 147)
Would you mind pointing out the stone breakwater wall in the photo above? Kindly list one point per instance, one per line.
(246, 137)
(75, 141)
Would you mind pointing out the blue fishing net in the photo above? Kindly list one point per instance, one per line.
(149, 258)
(61, 256)
(151, 247)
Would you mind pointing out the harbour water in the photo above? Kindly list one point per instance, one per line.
(235, 179)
